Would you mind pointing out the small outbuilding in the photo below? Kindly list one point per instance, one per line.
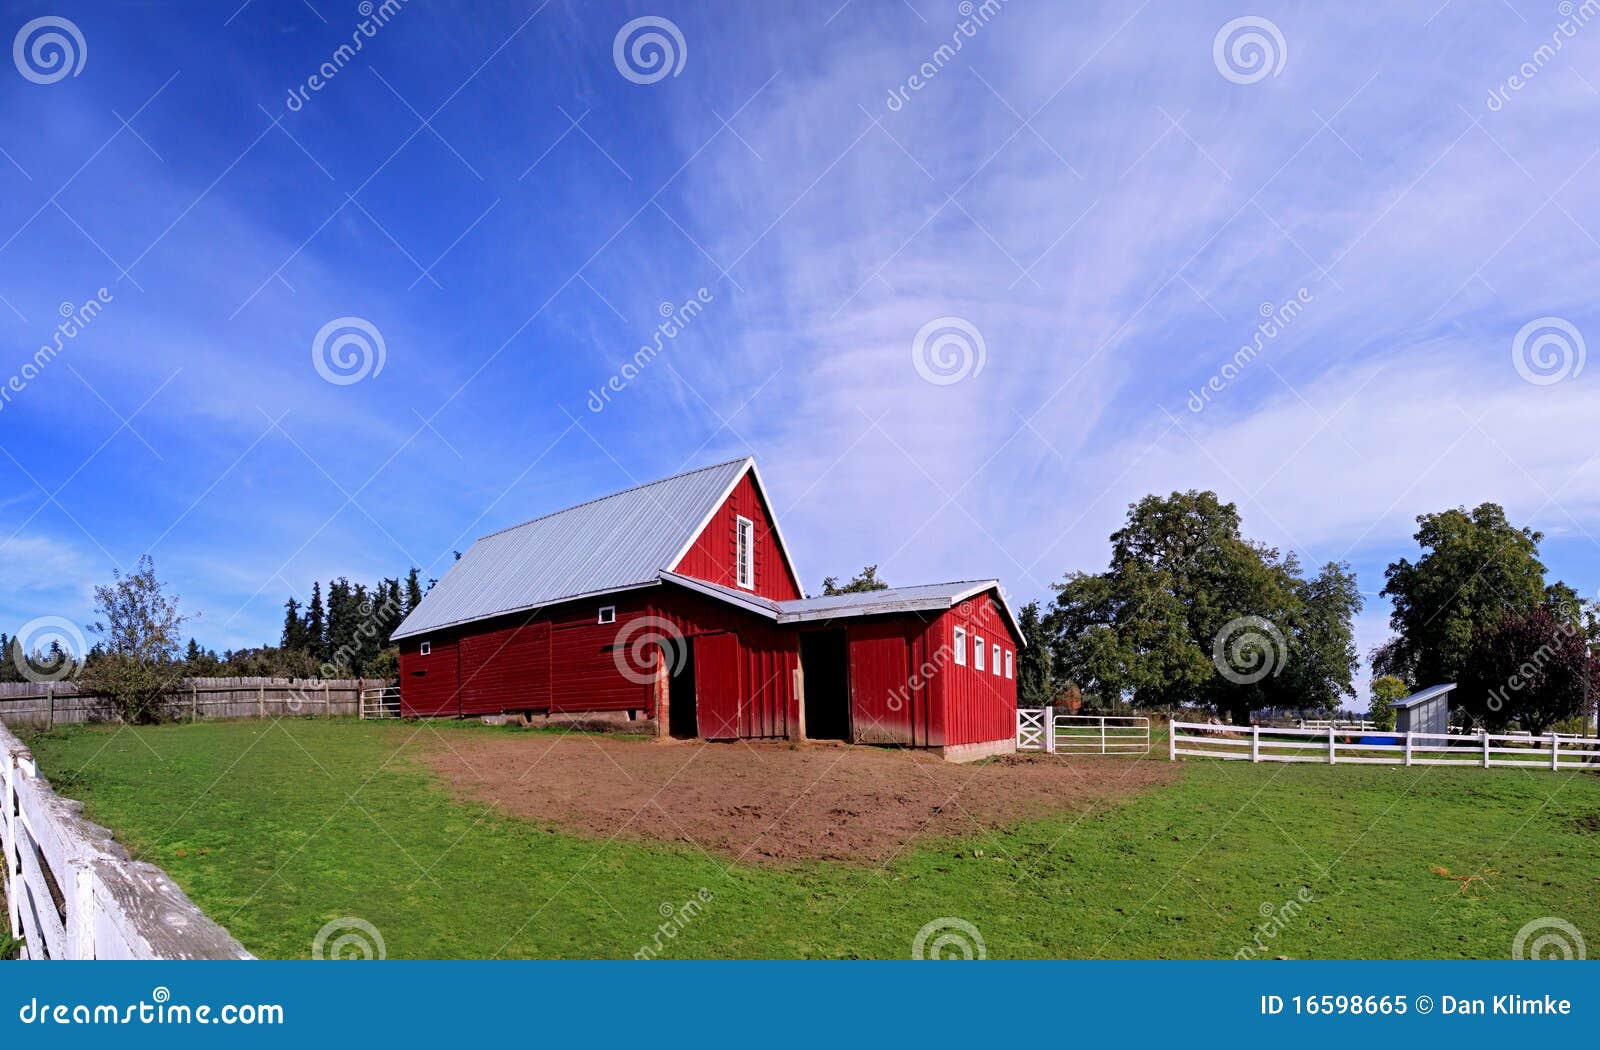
(1425, 711)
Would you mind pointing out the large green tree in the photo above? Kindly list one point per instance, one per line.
(1475, 568)
(1190, 611)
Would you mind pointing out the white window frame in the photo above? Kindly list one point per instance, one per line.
(744, 552)
(961, 646)
(603, 616)
(1009, 665)
(977, 652)
(995, 669)
(424, 649)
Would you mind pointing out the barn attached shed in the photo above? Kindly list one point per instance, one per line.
(678, 600)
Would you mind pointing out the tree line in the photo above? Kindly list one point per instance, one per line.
(138, 658)
(1190, 612)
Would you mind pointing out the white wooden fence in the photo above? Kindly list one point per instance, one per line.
(1041, 729)
(72, 892)
(380, 702)
(1332, 745)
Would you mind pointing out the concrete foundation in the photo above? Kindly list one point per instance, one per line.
(973, 752)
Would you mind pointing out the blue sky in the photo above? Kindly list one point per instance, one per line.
(1109, 201)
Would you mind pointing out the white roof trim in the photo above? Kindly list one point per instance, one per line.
(772, 516)
(764, 607)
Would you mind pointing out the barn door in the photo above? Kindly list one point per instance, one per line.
(718, 685)
(882, 696)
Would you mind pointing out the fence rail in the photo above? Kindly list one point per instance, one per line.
(73, 893)
(192, 699)
(1332, 746)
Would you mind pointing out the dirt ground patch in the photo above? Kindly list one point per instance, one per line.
(773, 803)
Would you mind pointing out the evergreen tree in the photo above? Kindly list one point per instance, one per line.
(294, 628)
(413, 590)
(316, 630)
(343, 617)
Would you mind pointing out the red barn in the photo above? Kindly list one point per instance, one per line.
(678, 600)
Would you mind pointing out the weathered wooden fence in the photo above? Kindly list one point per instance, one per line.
(73, 893)
(1331, 746)
(59, 703)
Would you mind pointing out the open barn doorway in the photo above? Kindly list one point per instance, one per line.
(825, 666)
(681, 717)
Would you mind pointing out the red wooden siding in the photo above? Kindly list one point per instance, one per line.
(905, 686)
(768, 657)
(718, 685)
(711, 556)
(972, 706)
(506, 670)
(585, 674)
(881, 700)
(429, 685)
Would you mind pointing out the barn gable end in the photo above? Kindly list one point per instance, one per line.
(710, 555)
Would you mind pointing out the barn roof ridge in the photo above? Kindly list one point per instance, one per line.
(619, 492)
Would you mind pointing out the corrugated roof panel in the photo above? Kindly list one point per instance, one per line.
(618, 541)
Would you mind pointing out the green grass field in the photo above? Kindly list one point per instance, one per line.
(276, 830)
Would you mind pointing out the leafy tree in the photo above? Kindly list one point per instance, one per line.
(1034, 685)
(1190, 611)
(1475, 568)
(1386, 690)
(135, 664)
(865, 580)
(1533, 668)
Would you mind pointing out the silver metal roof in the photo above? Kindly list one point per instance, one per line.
(1424, 694)
(928, 597)
(613, 543)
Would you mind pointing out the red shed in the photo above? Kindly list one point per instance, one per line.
(678, 601)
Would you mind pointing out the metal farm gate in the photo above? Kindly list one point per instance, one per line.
(1041, 729)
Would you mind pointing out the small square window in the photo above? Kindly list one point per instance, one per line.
(977, 652)
(608, 614)
(1008, 664)
(425, 648)
(961, 646)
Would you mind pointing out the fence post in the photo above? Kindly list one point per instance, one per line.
(1050, 730)
(1555, 744)
(327, 704)
(1172, 739)
(50, 706)
(194, 701)
(1333, 745)
(1485, 748)
(261, 700)
(1255, 743)
(1408, 747)
(1102, 734)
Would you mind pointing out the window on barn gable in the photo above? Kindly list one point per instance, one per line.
(1008, 663)
(425, 648)
(744, 536)
(977, 652)
(961, 646)
(995, 668)
(608, 614)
